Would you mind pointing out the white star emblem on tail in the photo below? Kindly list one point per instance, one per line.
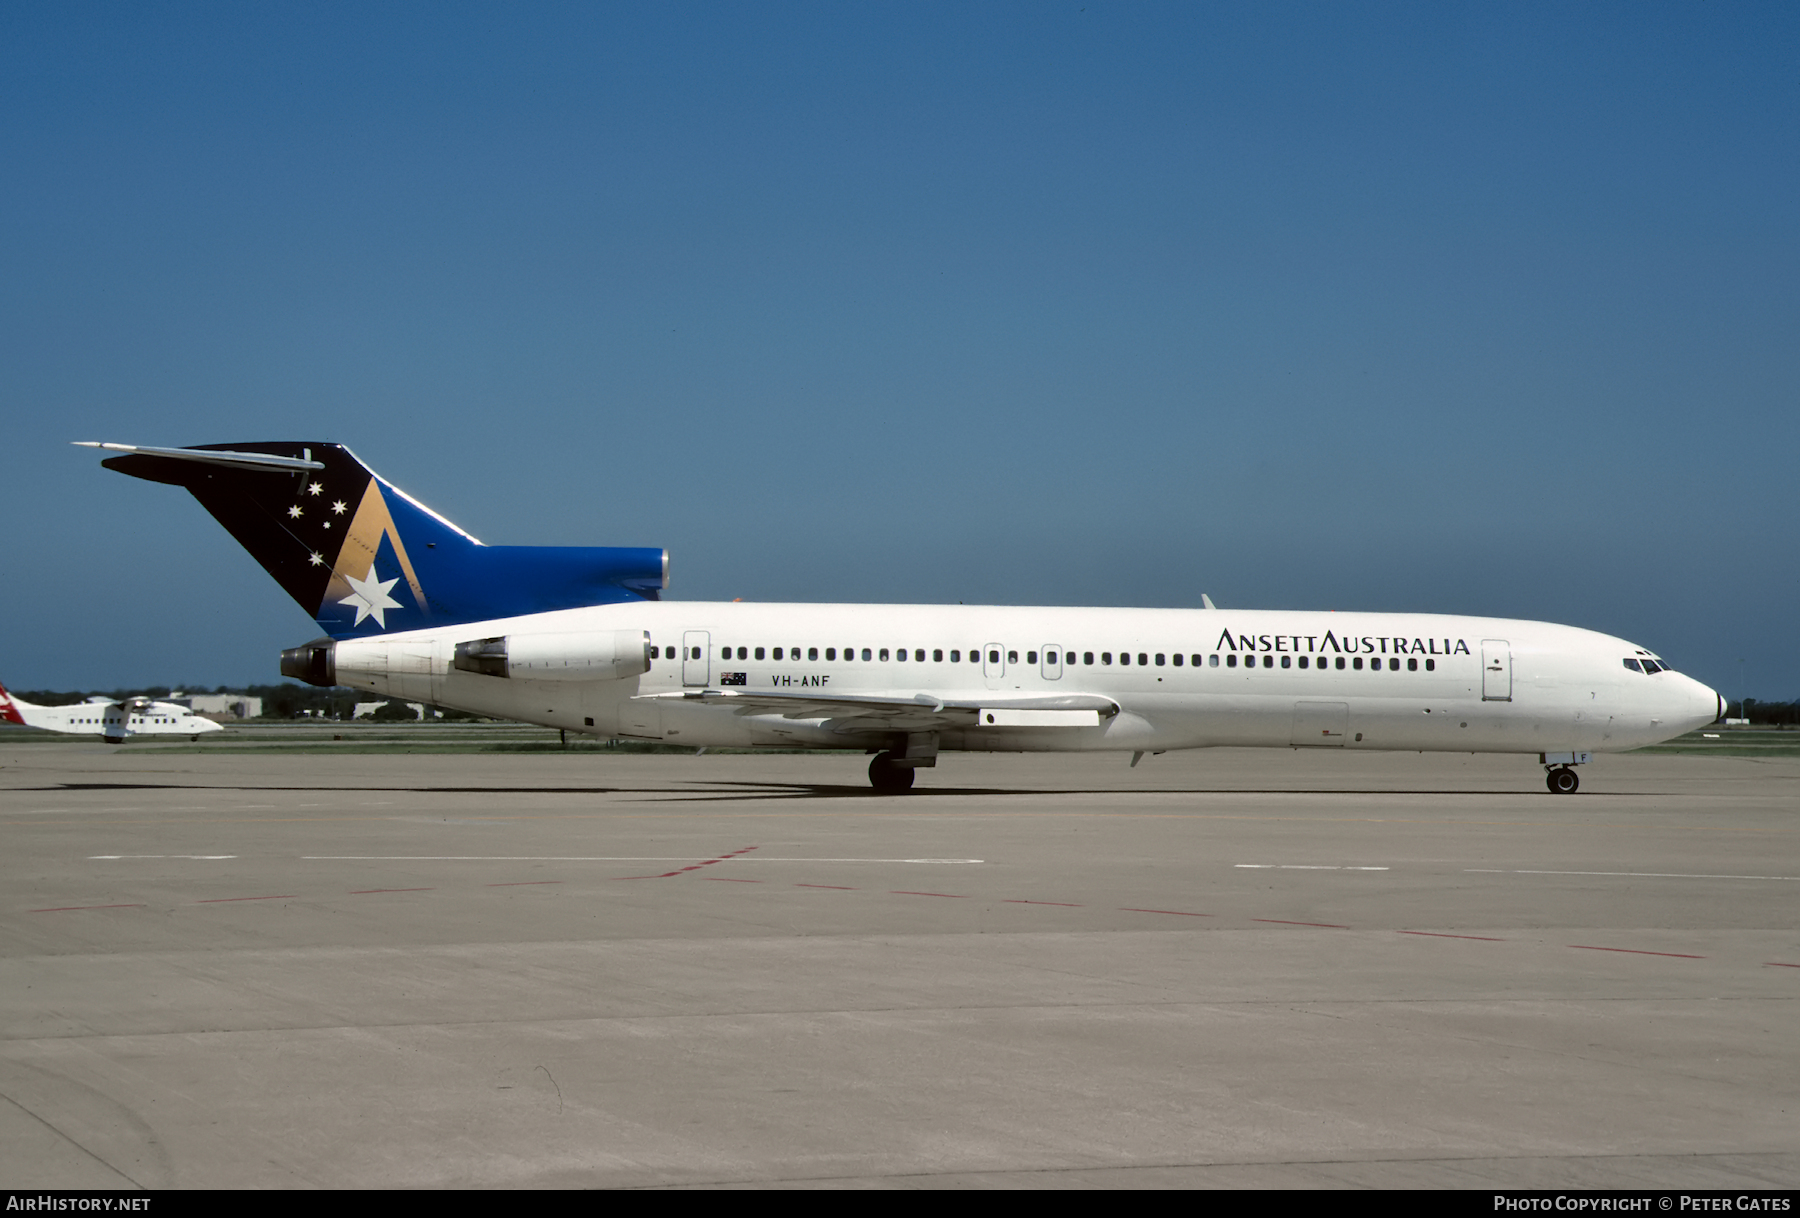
(371, 597)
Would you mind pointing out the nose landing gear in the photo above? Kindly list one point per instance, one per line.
(1559, 775)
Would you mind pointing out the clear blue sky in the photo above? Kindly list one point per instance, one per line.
(1452, 308)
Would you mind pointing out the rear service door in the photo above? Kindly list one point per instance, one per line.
(696, 653)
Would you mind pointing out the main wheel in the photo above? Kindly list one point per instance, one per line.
(884, 775)
(1562, 781)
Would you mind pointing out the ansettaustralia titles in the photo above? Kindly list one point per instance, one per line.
(1348, 645)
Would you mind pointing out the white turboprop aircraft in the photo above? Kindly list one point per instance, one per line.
(579, 639)
(113, 719)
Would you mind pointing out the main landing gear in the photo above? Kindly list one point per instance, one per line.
(885, 776)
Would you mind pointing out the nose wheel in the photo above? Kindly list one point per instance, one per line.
(1561, 781)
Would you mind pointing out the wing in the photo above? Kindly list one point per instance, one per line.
(900, 711)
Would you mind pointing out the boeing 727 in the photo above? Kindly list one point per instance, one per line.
(579, 639)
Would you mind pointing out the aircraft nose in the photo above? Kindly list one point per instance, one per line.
(1705, 705)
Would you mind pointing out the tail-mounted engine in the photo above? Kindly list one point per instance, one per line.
(574, 655)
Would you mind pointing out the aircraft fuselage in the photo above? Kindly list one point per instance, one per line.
(1175, 679)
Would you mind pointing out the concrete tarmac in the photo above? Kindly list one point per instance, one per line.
(1221, 969)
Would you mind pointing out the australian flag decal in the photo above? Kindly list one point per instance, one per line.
(734, 678)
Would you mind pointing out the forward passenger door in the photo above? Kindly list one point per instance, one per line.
(1496, 670)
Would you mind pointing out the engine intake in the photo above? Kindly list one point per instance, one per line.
(571, 655)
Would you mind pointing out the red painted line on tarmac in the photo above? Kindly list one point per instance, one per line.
(1634, 951)
(1440, 935)
(1285, 922)
(288, 896)
(1770, 964)
(725, 879)
(900, 892)
(833, 887)
(363, 892)
(667, 875)
(1023, 901)
(1179, 912)
(521, 883)
(67, 908)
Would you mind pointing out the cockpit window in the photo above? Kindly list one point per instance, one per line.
(1634, 666)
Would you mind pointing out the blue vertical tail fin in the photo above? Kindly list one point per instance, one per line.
(363, 557)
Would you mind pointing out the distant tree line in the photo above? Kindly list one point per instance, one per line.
(291, 701)
(284, 701)
(1765, 712)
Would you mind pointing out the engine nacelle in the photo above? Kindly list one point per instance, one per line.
(314, 662)
(567, 655)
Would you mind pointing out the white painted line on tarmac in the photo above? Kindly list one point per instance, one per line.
(162, 856)
(595, 858)
(1641, 875)
(1302, 867)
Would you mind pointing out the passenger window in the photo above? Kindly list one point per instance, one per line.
(1356, 663)
(919, 655)
(956, 657)
(1340, 664)
(1049, 657)
(778, 653)
(1012, 657)
(1287, 661)
(1142, 658)
(759, 653)
(1430, 665)
(812, 653)
(1177, 660)
(993, 657)
(1087, 657)
(1412, 666)
(1212, 661)
(898, 655)
(884, 653)
(937, 656)
(1124, 658)
(1231, 661)
(831, 653)
(1031, 657)
(866, 654)
(1303, 661)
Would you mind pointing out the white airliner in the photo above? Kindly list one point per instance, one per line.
(579, 639)
(114, 720)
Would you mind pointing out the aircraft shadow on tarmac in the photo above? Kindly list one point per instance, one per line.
(728, 791)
